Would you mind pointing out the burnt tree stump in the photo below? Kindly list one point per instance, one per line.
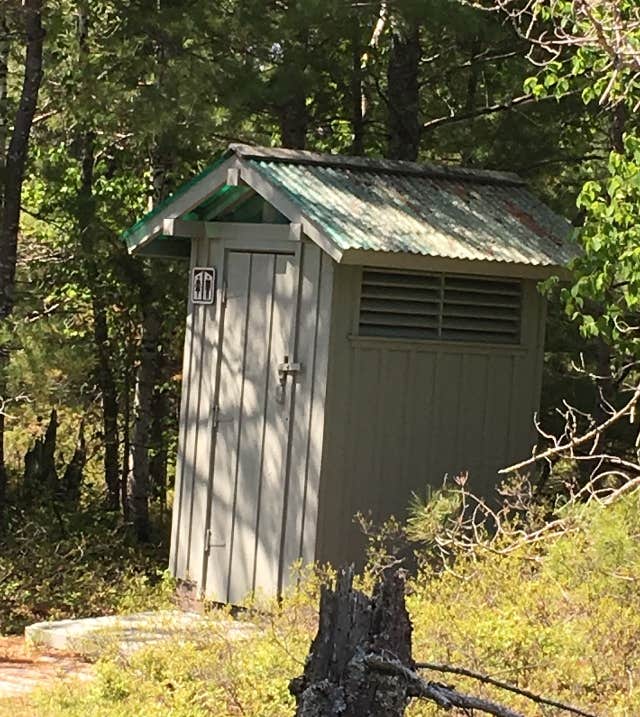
(353, 629)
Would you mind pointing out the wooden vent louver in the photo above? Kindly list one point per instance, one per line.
(403, 305)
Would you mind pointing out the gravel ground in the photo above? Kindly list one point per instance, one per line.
(24, 668)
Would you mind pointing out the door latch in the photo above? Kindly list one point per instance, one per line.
(285, 369)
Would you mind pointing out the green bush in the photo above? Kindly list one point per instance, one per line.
(558, 617)
(56, 565)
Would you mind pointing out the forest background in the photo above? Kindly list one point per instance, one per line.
(107, 106)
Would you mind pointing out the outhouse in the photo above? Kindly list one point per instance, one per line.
(356, 330)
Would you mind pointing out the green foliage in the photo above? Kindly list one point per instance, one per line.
(605, 298)
(592, 52)
(58, 565)
(557, 617)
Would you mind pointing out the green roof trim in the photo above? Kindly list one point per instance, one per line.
(182, 189)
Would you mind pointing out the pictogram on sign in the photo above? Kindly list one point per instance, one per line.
(203, 285)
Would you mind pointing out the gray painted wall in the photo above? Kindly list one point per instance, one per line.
(402, 414)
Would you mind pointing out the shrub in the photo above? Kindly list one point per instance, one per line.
(557, 616)
(56, 565)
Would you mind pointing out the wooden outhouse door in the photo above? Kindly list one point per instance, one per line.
(251, 424)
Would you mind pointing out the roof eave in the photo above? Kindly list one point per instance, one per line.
(403, 260)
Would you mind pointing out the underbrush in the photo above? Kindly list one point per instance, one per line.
(558, 616)
(57, 564)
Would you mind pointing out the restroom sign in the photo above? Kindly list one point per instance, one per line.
(203, 285)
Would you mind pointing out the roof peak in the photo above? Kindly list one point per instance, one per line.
(391, 166)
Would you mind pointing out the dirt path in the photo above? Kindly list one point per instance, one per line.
(24, 668)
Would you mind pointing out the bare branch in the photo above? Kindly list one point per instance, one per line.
(491, 109)
(443, 695)
(551, 27)
(577, 441)
(436, 667)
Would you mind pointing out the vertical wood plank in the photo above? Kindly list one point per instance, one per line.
(422, 412)
(200, 255)
(231, 378)
(177, 518)
(271, 490)
(246, 505)
(446, 411)
(309, 293)
(469, 444)
(202, 454)
(499, 393)
(317, 421)
(332, 419)
(393, 489)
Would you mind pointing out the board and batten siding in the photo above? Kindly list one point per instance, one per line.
(402, 414)
(300, 448)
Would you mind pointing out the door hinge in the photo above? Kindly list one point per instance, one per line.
(223, 292)
(209, 541)
(217, 419)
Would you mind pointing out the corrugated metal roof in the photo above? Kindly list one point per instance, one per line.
(420, 209)
(392, 206)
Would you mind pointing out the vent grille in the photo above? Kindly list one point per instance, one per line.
(439, 306)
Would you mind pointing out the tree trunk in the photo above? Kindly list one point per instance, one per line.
(40, 475)
(17, 154)
(126, 436)
(352, 629)
(109, 392)
(618, 122)
(86, 225)
(403, 111)
(294, 119)
(159, 454)
(290, 90)
(148, 374)
(105, 378)
(5, 47)
(13, 177)
(146, 378)
(357, 90)
(74, 472)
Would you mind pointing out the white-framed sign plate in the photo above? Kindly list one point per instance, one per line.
(203, 285)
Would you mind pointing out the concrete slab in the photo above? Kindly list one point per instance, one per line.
(96, 636)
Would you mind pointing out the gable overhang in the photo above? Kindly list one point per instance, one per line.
(149, 228)
(164, 232)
